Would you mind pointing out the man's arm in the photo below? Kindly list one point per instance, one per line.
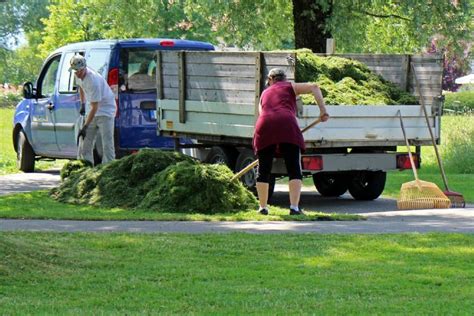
(82, 97)
(306, 88)
(90, 116)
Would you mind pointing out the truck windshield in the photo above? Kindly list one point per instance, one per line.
(137, 68)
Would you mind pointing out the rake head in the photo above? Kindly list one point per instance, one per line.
(457, 200)
(421, 195)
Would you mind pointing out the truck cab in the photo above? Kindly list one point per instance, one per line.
(47, 120)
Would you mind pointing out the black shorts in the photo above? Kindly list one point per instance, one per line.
(291, 153)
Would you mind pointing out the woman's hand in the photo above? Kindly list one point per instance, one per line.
(324, 116)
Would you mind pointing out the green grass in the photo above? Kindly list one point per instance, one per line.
(461, 183)
(138, 274)
(38, 205)
(7, 153)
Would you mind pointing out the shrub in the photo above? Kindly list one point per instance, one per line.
(459, 102)
(9, 99)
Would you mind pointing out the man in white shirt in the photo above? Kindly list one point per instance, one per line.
(100, 120)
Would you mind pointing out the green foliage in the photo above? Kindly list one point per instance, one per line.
(458, 144)
(399, 26)
(214, 191)
(154, 180)
(460, 102)
(345, 82)
(19, 16)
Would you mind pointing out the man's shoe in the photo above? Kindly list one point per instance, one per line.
(296, 212)
(263, 211)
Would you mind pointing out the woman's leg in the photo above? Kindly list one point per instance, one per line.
(292, 155)
(265, 161)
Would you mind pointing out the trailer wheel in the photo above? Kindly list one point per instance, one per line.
(330, 183)
(245, 158)
(222, 155)
(25, 156)
(367, 185)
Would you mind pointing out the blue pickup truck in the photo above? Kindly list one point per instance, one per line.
(47, 120)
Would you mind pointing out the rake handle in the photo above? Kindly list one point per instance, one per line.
(422, 102)
(408, 147)
(255, 162)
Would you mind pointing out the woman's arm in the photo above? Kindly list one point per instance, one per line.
(306, 88)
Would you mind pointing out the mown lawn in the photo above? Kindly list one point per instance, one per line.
(38, 205)
(7, 152)
(82, 273)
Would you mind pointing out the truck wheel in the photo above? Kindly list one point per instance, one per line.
(330, 183)
(223, 155)
(249, 179)
(25, 156)
(367, 185)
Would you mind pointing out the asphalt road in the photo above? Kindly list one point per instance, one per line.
(382, 215)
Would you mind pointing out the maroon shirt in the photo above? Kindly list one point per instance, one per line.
(277, 122)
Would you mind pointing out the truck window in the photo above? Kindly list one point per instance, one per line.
(138, 66)
(47, 80)
(66, 78)
(98, 59)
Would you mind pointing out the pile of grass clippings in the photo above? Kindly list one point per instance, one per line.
(154, 180)
(345, 81)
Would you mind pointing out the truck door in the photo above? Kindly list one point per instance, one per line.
(68, 120)
(67, 110)
(43, 110)
(137, 99)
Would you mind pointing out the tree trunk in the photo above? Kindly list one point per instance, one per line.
(310, 24)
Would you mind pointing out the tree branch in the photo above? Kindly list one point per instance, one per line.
(384, 16)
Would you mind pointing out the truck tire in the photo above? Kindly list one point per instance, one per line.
(367, 185)
(249, 179)
(223, 155)
(25, 156)
(330, 184)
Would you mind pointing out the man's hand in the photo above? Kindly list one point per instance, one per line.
(82, 132)
(82, 109)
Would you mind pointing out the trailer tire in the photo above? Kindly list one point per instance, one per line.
(367, 185)
(222, 155)
(330, 184)
(25, 156)
(249, 179)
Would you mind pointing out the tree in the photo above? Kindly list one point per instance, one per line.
(19, 17)
(380, 26)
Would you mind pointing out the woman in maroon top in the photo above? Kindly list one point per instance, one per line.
(277, 129)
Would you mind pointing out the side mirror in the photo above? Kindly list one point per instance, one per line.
(28, 90)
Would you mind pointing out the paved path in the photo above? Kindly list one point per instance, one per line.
(388, 222)
(382, 216)
(26, 182)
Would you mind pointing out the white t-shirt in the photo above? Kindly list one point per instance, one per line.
(96, 89)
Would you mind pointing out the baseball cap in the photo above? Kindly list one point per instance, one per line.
(276, 72)
(77, 62)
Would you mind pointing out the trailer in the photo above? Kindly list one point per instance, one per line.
(212, 97)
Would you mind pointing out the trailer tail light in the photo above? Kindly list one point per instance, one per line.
(113, 80)
(312, 163)
(167, 43)
(403, 161)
